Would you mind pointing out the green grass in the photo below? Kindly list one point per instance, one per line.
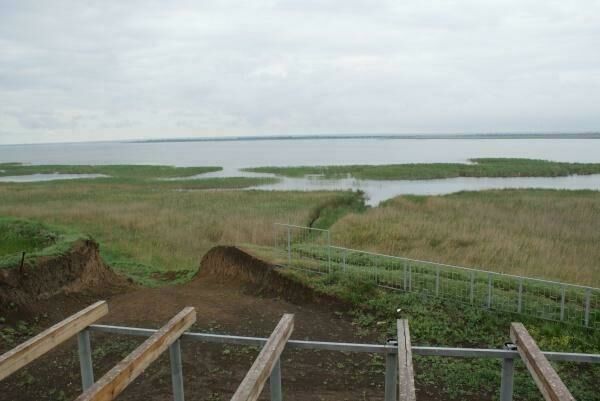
(122, 172)
(539, 299)
(434, 322)
(22, 236)
(326, 214)
(33, 238)
(549, 234)
(157, 232)
(155, 177)
(483, 167)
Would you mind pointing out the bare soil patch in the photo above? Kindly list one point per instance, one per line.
(233, 293)
(25, 290)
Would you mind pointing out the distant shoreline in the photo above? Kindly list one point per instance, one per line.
(590, 135)
(558, 135)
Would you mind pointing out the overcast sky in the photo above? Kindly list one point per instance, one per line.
(101, 70)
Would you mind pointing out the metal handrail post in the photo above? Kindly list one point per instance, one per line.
(506, 385)
(176, 370)
(85, 359)
(275, 382)
(391, 373)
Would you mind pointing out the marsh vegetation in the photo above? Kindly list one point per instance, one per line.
(146, 230)
(156, 231)
(482, 167)
(538, 233)
(147, 225)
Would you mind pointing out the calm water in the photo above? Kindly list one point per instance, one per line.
(48, 177)
(233, 155)
(377, 191)
(236, 154)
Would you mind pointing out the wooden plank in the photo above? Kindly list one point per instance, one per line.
(119, 377)
(253, 383)
(546, 378)
(50, 338)
(406, 377)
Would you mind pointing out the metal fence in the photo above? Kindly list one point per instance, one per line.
(311, 249)
(390, 350)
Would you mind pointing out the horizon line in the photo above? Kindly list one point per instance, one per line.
(425, 136)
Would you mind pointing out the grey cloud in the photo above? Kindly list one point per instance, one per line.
(81, 71)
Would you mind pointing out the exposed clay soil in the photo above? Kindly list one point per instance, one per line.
(23, 291)
(234, 293)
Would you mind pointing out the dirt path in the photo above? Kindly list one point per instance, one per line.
(225, 303)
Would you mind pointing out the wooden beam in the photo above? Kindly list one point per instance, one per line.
(50, 338)
(406, 377)
(253, 383)
(546, 378)
(119, 377)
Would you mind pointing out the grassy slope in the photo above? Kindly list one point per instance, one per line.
(480, 168)
(145, 230)
(33, 238)
(438, 323)
(540, 233)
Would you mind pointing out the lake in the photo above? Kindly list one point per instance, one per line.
(233, 155)
(238, 154)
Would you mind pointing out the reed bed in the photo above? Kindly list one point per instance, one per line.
(144, 230)
(482, 167)
(537, 233)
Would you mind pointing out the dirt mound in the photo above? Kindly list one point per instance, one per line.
(79, 270)
(224, 296)
(231, 265)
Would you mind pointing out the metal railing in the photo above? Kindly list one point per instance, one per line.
(311, 249)
(390, 350)
(268, 362)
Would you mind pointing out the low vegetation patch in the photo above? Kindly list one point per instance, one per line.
(483, 167)
(435, 322)
(549, 234)
(123, 172)
(155, 177)
(149, 231)
(23, 236)
(326, 214)
(33, 238)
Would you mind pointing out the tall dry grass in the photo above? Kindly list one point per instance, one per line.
(540, 233)
(157, 227)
